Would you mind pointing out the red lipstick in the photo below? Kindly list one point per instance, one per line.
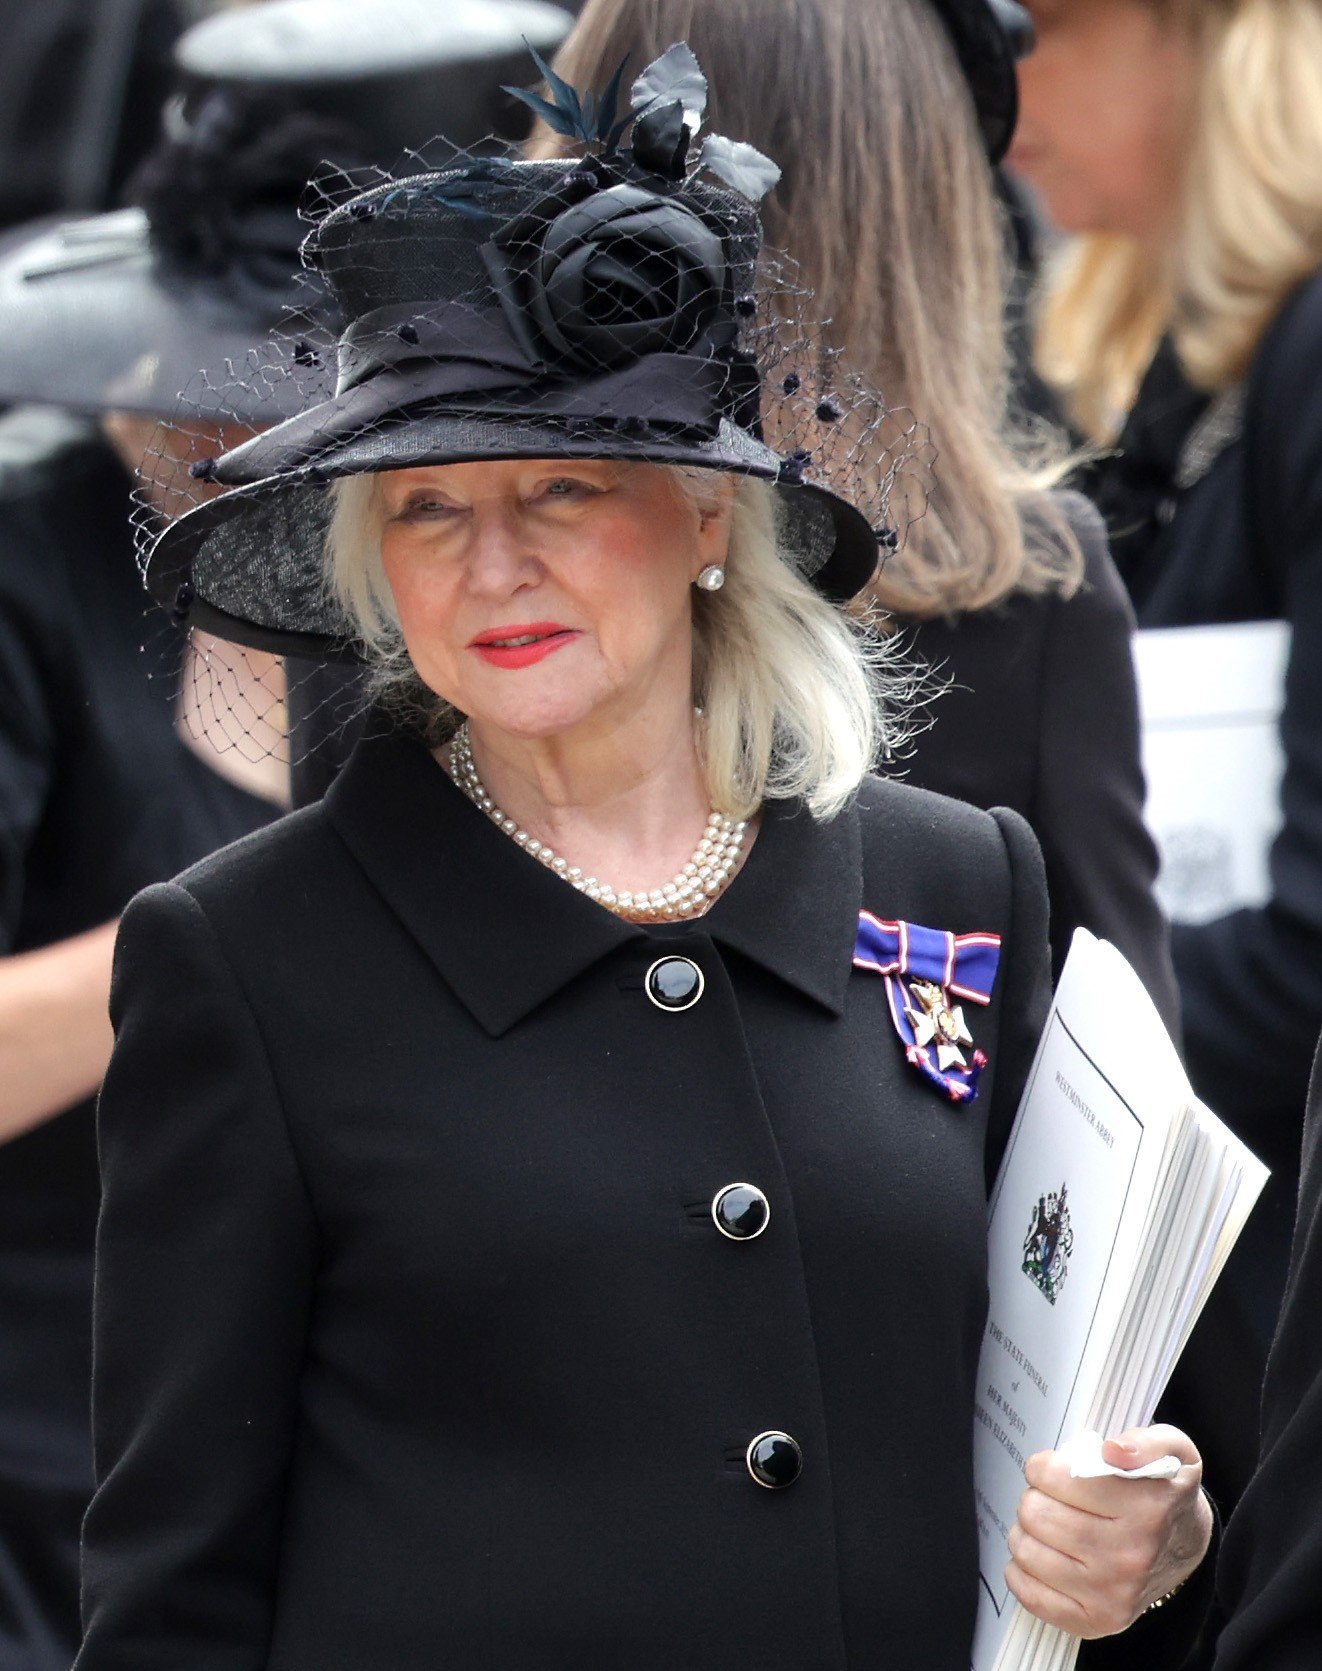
(522, 643)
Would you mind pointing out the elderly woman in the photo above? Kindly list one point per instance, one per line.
(530, 1237)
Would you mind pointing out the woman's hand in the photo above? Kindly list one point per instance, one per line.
(1090, 1555)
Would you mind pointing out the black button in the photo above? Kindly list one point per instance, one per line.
(674, 983)
(774, 1460)
(741, 1211)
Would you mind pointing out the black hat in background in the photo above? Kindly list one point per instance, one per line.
(131, 310)
(990, 36)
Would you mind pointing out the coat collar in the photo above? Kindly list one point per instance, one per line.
(506, 934)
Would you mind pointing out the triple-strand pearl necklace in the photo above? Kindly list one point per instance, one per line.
(688, 895)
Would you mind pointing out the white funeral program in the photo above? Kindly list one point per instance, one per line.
(1211, 701)
(1117, 1204)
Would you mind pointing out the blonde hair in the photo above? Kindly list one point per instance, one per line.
(790, 689)
(1249, 228)
(886, 203)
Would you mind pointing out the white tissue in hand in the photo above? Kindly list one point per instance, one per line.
(1084, 1454)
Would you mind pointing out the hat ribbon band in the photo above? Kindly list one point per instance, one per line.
(467, 357)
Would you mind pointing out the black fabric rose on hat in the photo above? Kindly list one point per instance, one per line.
(618, 275)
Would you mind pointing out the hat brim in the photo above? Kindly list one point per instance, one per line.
(247, 565)
(92, 322)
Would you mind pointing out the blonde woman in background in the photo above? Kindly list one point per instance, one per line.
(1182, 141)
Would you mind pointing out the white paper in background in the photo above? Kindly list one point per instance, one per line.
(1210, 699)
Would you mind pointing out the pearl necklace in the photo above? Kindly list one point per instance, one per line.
(688, 895)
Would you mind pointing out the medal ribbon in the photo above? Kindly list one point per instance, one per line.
(962, 966)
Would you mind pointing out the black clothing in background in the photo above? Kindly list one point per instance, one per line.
(1270, 1576)
(416, 1343)
(1244, 543)
(98, 798)
(1037, 710)
(1134, 486)
(1215, 513)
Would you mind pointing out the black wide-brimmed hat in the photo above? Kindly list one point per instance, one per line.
(132, 309)
(989, 36)
(615, 306)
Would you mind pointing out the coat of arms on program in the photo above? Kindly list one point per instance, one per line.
(1049, 1243)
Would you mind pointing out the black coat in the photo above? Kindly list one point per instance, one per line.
(1270, 1578)
(1038, 711)
(416, 1343)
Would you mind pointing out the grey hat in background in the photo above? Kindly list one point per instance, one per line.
(411, 69)
(134, 309)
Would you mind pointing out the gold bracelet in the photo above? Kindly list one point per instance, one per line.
(1169, 1596)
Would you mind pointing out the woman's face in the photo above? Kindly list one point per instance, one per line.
(1106, 106)
(542, 595)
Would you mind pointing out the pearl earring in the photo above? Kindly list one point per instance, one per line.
(712, 578)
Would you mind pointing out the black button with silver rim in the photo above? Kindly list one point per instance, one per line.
(740, 1211)
(674, 983)
(774, 1460)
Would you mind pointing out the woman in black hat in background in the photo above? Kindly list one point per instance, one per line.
(514, 1213)
(101, 792)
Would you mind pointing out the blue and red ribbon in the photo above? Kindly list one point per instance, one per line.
(963, 966)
